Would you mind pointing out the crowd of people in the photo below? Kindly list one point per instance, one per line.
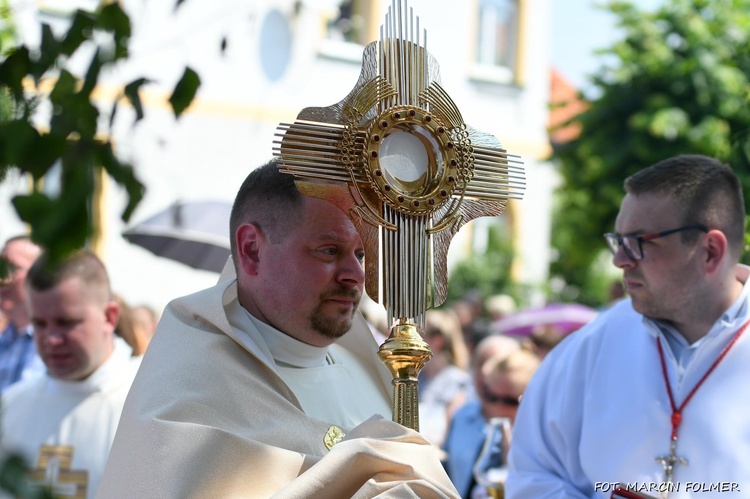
(269, 382)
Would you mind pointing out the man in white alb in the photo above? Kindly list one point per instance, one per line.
(63, 423)
(653, 393)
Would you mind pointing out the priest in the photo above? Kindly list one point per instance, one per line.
(269, 383)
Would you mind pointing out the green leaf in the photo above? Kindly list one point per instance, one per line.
(92, 75)
(47, 149)
(132, 90)
(17, 138)
(670, 122)
(13, 476)
(112, 115)
(81, 29)
(65, 87)
(184, 91)
(14, 69)
(124, 175)
(63, 224)
(112, 18)
(48, 52)
(77, 115)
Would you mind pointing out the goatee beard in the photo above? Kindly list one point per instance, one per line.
(334, 327)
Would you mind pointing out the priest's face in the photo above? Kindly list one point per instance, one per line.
(308, 285)
(73, 328)
(665, 283)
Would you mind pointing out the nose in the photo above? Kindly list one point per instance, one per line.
(351, 271)
(621, 260)
(50, 337)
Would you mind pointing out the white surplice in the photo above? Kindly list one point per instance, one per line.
(82, 414)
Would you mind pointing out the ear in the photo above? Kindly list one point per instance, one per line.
(249, 239)
(717, 248)
(112, 313)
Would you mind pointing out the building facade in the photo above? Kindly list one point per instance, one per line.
(260, 63)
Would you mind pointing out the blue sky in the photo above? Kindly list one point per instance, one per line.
(578, 29)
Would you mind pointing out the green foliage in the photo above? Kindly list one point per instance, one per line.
(677, 83)
(488, 273)
(71, 139)
(63, 222)
(184, 91)
(13, 480)
(7, 27)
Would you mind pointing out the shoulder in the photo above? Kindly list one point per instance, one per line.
(582, 351)
(202, 308)
(609, 325)
(470, 410)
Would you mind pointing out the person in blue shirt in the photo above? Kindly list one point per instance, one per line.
(18, 356)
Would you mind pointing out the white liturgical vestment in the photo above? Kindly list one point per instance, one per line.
(81, 414)
(597, 412)
(213, 414)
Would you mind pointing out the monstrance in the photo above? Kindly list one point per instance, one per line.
(397, 157)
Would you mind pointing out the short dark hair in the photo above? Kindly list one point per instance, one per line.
(267, 199)
(45, 274)
(708, 191)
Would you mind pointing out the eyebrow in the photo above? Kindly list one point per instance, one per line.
(331, 236)
(637, 232)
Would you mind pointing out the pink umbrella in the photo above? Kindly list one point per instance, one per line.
(567, 317)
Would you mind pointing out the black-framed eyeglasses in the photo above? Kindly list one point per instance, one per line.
(508, 400)
(633, 245)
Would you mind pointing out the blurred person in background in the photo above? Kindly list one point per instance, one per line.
(544, 338)
(501, 381)
(445, 379)
(131, 329)
(147, 318)
(471, 315)
(499, 306)
(66, 420)
(18, 357)
(459, 454)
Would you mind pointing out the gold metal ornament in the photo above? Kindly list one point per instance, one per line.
(333, 436)
(53, 473)
(397, 157)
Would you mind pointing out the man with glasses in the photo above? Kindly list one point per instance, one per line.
(18, 357)
(652, 394)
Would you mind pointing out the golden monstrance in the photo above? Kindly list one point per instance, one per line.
(397, 157)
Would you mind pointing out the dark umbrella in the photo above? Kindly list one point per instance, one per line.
(195, 233)
(567, 317)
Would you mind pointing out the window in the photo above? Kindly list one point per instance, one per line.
(497, 38)
(348, 23)
(348, 28)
